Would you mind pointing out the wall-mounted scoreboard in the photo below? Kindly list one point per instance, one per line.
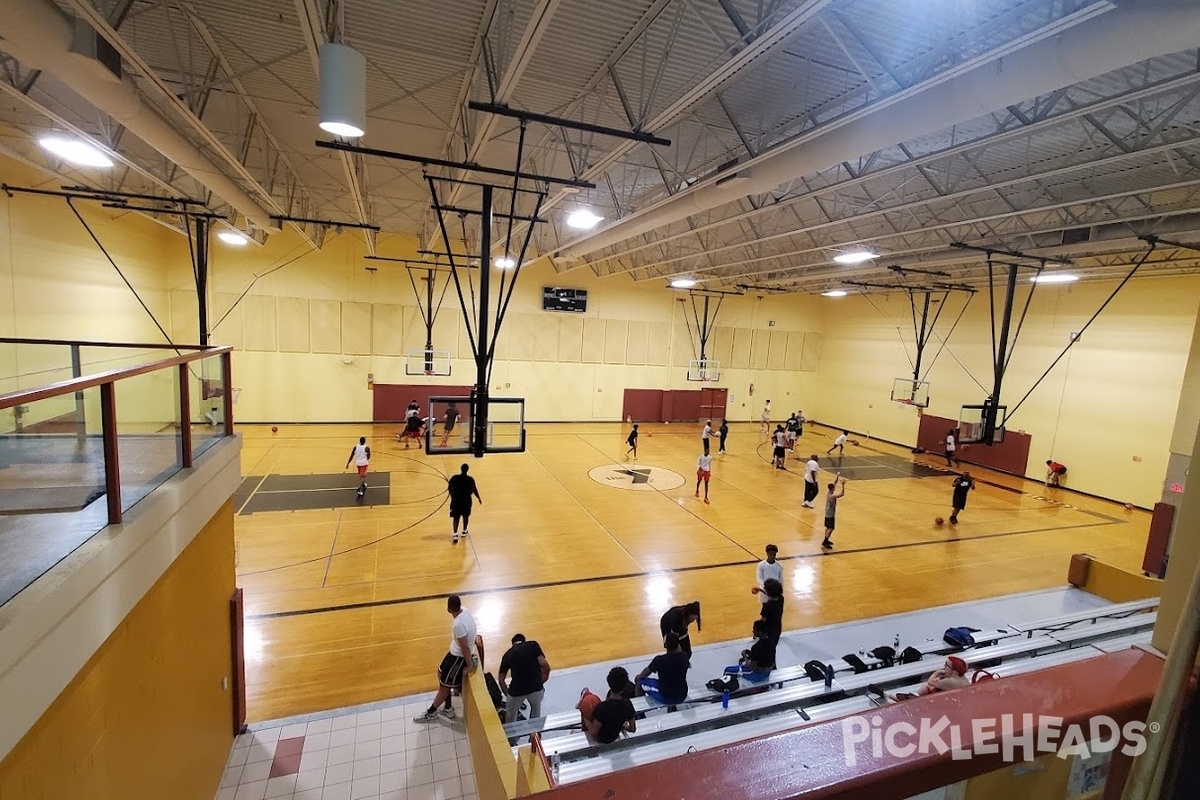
(554, 299)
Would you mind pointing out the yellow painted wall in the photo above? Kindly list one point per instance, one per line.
(1112, 398)
(146, 717)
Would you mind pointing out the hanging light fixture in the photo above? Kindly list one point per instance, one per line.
(834, 293)
(504, 262)
(683, 283)
(584, 219)
(343, 91)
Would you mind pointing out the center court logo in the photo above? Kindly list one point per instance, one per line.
(638, 477)
(1015, 738)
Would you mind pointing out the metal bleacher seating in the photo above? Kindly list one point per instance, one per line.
(788, 699)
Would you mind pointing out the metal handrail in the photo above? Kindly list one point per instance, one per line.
(86, 343)
(91, 381)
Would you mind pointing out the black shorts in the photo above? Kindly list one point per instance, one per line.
(450, 673)
(449, 425)
(960, 501)
(460, 508)
(779, 452)
(829, 523)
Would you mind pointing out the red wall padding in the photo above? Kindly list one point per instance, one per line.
(390, 400)
(661, 405)
(1011, 455)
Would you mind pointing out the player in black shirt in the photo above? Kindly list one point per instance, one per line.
(723, 431)
(612, 716)
(962, 484)
(670, 688)
(760, 658)
(772, 609)
(451, 418)
(529, 668)
(677, 620)
(461, 487)
(632, 442)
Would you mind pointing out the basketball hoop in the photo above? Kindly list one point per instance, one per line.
(236, 394)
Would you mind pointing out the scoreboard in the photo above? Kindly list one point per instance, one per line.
(564, 299)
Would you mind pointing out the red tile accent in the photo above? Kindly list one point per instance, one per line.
(287, 757)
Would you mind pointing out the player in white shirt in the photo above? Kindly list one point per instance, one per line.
(764, 429)
(770, 568)
(461, 658)
(839, 444)
(360, 454)
(950, 448)
(706, 434)
(811, 485)
(780, 451)
(703, 471)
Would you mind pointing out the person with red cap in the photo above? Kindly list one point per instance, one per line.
(952, 675)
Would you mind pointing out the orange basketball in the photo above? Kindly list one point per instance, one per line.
(755, 590)
(939, 521)
(274, 429)
(650, 433)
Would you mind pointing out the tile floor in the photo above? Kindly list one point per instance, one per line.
(350, 754)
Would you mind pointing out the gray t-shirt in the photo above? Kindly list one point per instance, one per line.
(830, 504)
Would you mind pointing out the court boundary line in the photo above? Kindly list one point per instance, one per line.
(673, 571)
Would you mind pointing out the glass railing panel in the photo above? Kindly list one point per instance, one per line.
(206, 382)
(149, 442)
(51, 484)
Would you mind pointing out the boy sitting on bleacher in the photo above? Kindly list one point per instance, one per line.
(603, 720)
(670, 688)
(952, 675)
(756, 663)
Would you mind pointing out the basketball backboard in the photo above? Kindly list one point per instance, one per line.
(911, 392)
(427, 362)
(702, 370)
(505, 426)
(972, 424)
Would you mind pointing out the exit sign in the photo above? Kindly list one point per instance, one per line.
(1177, 488)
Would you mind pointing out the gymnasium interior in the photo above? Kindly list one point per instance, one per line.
(947, 251)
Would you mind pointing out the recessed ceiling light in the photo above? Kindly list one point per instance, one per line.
(75, 151)
(683, 283)
(235, 238)
(855, 256)
(1055, 277)
(834, 293)
(505, 263)
(583, 219)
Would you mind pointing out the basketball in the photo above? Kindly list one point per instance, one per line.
(650, 433)
(754, 590)
(939, 521)
(274, 429)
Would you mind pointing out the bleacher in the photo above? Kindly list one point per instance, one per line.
(789, 698)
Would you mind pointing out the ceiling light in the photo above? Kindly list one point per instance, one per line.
(855, 257)
(683, 283)
(75, 151)
(505, 263)
(583, 219)
(1055, 277)
(343, 91)
(235, 238)
(834, 293)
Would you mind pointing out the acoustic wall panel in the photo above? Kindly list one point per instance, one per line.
(356, 329)
(570, 340)
(325, 326)
(658, 344)
(292, 318)
(758, 350)
(387, 329)
(720, 346)
(259, 322)
(743, 338)
(230, 331)
(545, 345)
(637, 339)
(614, 341)
(593, 341)
(777, 349)
(795, 351)
(812, 352)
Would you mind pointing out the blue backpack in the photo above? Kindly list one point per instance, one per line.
(959, 637)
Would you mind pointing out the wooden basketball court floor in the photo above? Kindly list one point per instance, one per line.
(345, 603)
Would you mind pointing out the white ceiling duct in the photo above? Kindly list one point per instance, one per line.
(39, 35)
(1103, 44)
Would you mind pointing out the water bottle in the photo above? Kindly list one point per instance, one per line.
(474, 661)
(896, 642)
(828, 676)
(725, 700)
(862, 651)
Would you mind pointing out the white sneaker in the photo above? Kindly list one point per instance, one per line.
(454, 540)
(448, 713)
(464, 533)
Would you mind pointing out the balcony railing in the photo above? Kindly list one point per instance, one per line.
(114, 435)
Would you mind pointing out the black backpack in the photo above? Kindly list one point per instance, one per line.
(910, 655)
(885, 654)
(857, 663)
(725, 683)
(815, 671)
(496, 695)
